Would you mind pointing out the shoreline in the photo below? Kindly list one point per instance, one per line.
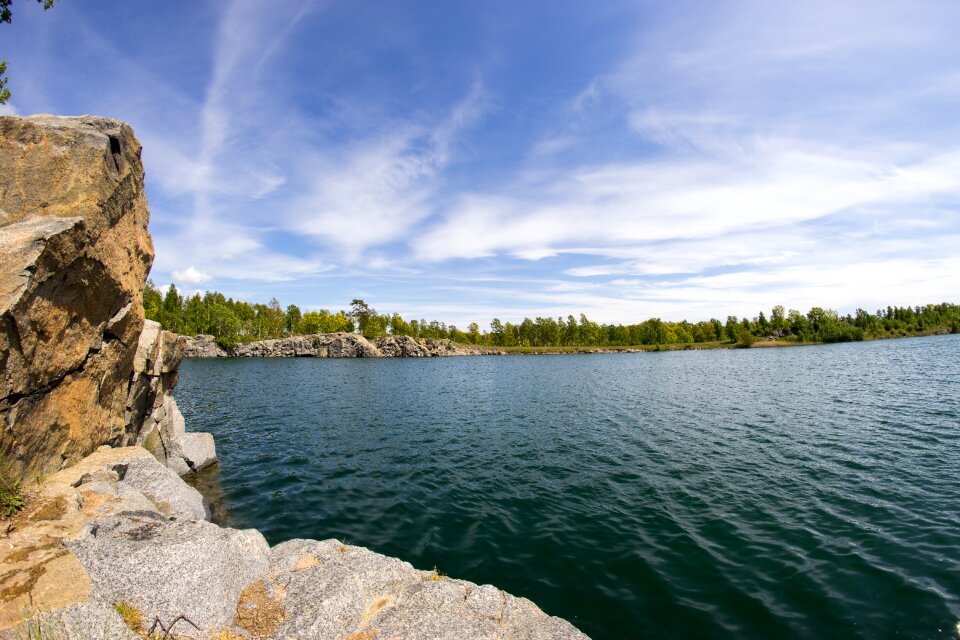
(117, 541)
(356, 346)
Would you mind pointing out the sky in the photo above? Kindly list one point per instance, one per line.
(462, 161)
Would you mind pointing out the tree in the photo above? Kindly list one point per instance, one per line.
(172, 310)
(368, 324)
(293, 318)
(496, 332)
(473, 332)
(778, 319)
(6, 15)
(399, 326)
(152, 301)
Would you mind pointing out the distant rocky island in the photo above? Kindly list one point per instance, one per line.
(102, 539)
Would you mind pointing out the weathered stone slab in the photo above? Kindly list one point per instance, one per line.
(172, 568)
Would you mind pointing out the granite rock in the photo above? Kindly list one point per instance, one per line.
(74, 253)
(171, 568)
(335, 345)
(204, 346)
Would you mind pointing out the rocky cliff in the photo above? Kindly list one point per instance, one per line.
(74, 255)
(334, 345)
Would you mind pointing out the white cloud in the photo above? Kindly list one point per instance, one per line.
(192, 275)
(376, 190)
(777, 183)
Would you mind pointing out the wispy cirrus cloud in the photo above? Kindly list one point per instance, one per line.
(695, 160)
(374, 191)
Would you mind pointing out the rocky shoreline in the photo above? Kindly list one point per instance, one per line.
(351, 345)
(333, 345)
(118, 542)
(112, 543)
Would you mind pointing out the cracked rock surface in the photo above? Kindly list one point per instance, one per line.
(74, 254)
(81, 366)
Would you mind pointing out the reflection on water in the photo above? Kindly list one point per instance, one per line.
(207, 482)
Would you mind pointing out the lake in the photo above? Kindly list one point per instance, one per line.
(809, 492)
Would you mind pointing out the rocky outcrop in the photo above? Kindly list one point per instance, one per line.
(153, 414)
(334, 345)
(121, 528)
(74, 254)
(203, 346)
(81, 368)
(320, 345)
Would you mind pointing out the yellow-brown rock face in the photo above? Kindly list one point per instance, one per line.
(74, 254)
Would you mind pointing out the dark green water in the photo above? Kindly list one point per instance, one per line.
(781, 493)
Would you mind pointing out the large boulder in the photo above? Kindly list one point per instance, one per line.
(74, 254)
(38, 572)
(169, 568)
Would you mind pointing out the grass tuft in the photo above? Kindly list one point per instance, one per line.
(11, 493)
(131, 616)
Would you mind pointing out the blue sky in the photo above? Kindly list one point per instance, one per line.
(466, 160)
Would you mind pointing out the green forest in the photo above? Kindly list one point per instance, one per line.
(232, 321)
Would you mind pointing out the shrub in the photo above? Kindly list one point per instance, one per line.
(746, 339)
(11, 494)
(227, 342)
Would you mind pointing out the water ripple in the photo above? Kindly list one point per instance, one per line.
(789, 493)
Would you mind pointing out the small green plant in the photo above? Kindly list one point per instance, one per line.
(130, 615)
(436, 575)
(11, 493)
(227, 342)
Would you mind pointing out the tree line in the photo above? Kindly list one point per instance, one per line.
(232, 321)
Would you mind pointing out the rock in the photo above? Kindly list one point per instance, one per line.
(320, 345)
(401, 347)
(327, 590)
(90, 620)
(171, 568)
(203, 346)
(37, 570)
(153, 418)
(162, 485)
(335, 345)
(196, 450)
(166, 437)
(74, 254)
